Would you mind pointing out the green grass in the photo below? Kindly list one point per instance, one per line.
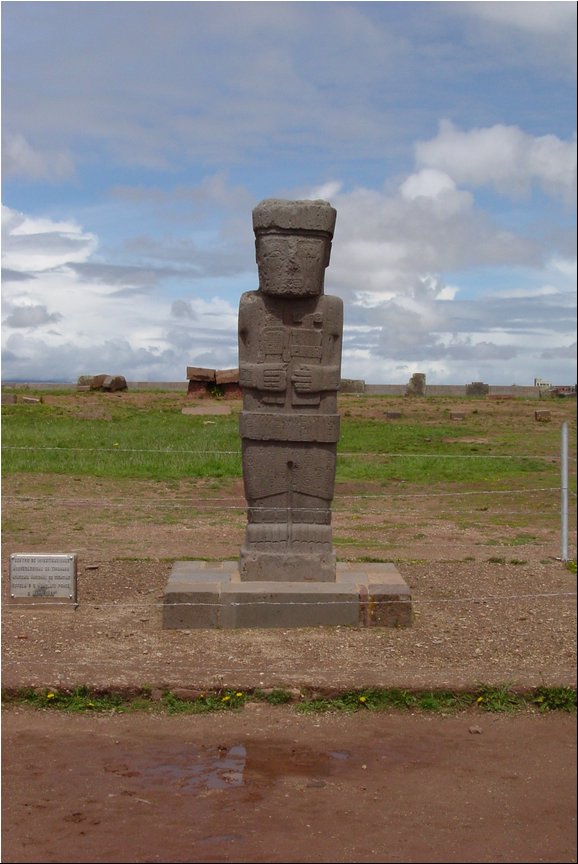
(493, 699)
(153, 445)
(161, 444)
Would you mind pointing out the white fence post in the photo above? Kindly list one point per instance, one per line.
(564, 490)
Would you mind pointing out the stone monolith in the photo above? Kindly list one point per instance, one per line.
(290, 336)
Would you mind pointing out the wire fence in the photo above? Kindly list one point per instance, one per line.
(435, 520)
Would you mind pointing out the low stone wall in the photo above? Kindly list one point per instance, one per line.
(455, 390)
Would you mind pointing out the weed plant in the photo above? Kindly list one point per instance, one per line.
(494, 699)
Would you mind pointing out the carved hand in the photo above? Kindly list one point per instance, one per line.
(274, 377)
(306, 378)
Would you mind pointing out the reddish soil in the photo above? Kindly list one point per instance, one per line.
(271, 785)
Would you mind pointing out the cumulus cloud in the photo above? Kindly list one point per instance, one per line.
(99, 325)
(504, 157)
(387, 243)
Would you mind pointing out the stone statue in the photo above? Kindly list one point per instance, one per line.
(290, 336)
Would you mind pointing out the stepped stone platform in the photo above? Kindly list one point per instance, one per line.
(201, 594)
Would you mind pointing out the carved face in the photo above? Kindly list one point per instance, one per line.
(292, 265)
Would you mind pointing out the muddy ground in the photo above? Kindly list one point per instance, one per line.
(270, 785)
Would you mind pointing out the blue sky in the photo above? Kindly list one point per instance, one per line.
(138, 137)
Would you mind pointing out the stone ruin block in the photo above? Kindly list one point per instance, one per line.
(213, 382)
(107, 383)
(352, 385)
(198, 374)
(227, 380)
(416, 385)
(227, 376)
(477, 388)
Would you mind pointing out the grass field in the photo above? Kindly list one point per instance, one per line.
(424, 484)
(99, 435)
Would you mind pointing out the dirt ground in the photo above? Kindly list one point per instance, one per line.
(270, 785)
(492, 603)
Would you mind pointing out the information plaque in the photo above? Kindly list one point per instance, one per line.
(43, 578)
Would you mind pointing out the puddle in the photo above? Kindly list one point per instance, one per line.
(222, 769)
(196, 770)
(221, 838)
(341, 755)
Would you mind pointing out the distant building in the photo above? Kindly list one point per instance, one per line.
(539, 382)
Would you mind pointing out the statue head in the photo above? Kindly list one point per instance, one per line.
(293, 245)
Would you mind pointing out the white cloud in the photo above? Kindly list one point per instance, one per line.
(504, 157)
(32, 245)
(72, 319)
(428, 183)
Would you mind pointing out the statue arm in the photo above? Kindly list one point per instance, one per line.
(263, 376)
(315, 378)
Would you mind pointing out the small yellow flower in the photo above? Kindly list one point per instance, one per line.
(480, 699)
(225, 698)
(50, 695)
(238, 693)
(363, 698)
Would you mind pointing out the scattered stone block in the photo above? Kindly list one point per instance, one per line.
(352, 385)
(198, 373)
(31, 400)
(107, 383)
(542, 416)
(207, 408)
(416, 385)
(197, 389)
(457, 415)
(213, 382)
(226, 376)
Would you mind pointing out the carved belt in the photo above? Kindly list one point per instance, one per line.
(262, 426)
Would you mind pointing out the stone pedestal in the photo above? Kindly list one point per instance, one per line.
(201, 594)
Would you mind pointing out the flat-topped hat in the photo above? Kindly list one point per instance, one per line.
(278, 215)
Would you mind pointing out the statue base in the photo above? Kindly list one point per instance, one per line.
(201, 594)
(287, 566)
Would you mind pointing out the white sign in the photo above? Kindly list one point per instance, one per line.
(43, 577)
